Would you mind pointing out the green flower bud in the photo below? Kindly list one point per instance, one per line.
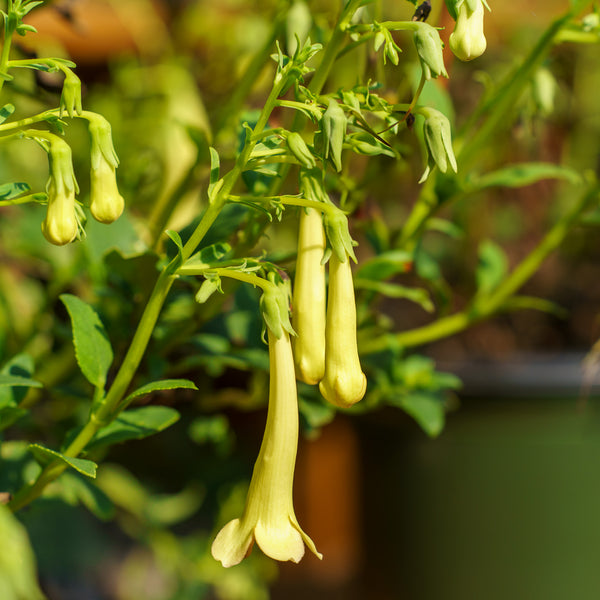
(268, 518)
(299, 149)
(60, 225)
(106, 203)
(298, 23)
(467, 41)
(309, 299)
(544, 91)
(70, 100)
(333, 126)
(344, 383)
(340, 240)
(438, 142)
(429, 48)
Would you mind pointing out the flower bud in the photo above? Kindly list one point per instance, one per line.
(309, 299)
(60, 225)
(106, 203)
(344, 383)
(298, 23)
(70, 100)
(467, 41)
(429, 48)
(300, 150)
(438, 142)
(333, 126)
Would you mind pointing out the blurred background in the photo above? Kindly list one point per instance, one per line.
(502, 504)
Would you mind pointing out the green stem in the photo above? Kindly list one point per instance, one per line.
(483, 307)
(112, 403)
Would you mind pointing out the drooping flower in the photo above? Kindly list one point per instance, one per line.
(309, 299)
(60, 225)
(333, 128)
(429, 48)
(467, 41)
(106, 203)
(268, 518)
(438, 142)
(344, 383)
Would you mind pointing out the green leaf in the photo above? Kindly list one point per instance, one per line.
(17, 381)
(92, 346)
(8, 191)
(164, 384)
(385, 265)
(523, 174)
(10, 415)
(427, 411)
(394, 290)
(45, 456)
(135, 424)
(5, 112)
(81, 489)
(492, 267)
(215, 165)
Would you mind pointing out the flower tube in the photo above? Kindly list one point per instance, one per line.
(344, 383)
(60, 225)
(309, 299)
(268, 518)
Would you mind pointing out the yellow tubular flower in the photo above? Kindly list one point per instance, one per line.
(60, 225)
(344, 383)
(467, 41)
(268, 517)
(309, 299)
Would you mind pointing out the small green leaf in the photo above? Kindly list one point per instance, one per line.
(524, 174)
(5, 112)
(135, 424)
(492, 267)
(215, 165)
(81, 489)
(92, 347)
(393, 290)
(45, 456)
(8, 191)
(427, 411)
(385, 265)
(10, 415)
(16, 381)
(164, 384)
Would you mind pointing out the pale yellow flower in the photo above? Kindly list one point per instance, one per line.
(268, 518)
(467, 41)
(309, 299)
(344, 383)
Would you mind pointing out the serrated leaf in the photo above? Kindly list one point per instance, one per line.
(92, 347)
(8, 191)
(164, 384)
(45, 456)
(491, 268)
(427, 411)
(5, 112)
(20, 366)
(524, 174)
(135, 424)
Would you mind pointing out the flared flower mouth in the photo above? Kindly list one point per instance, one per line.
(268, 517)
